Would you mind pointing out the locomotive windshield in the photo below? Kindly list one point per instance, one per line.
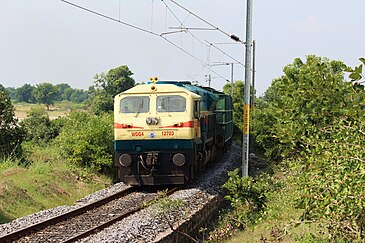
(135, 104)
(170, 103)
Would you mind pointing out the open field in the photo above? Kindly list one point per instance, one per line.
(58, 110)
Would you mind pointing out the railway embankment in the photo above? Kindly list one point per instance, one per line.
(172, 218)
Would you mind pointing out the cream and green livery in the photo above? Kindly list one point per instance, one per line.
(166, 131)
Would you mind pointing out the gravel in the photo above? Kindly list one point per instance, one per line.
(38, 217)
(146, 224)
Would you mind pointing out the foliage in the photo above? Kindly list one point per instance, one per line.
(248, 195)
(46, 183)
(332, 185)
(101, 102)
(115, 81)
(313, 119)
(11, 135)
(86, 141)
(107, 86)
(11, 92)
(356, 73)
(38, 126)
(308, 97)
(45, 93)
(65, 92)
(25, 94)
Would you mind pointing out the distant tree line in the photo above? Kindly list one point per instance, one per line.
(47, 93)
(99, 97)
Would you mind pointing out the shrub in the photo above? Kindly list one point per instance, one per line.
(247, 195)
(332, 182)
(86, 140)
(11, 135)
(38, 126)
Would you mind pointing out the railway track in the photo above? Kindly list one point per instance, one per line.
(86, 220)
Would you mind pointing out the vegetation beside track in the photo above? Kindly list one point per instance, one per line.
(310, 124)
(59, 150)
(45, 183)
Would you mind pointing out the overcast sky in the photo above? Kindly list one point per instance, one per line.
(51, 41)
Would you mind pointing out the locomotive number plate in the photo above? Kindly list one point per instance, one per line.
(168, 133)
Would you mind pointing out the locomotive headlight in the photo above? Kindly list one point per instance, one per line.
(149, 120)
(155, 120)
(178, 159)
(125, 160)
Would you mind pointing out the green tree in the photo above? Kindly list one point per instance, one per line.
(45, 93)
(11, 135)
(25, 94)
(86, 141)
(78, 96)
(12, 92)
(38, 126)
(115, 81)
(61, 90)
(107, 86)
(314, 120)
(309, 96)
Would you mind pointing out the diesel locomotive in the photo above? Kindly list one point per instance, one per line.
(167, 131)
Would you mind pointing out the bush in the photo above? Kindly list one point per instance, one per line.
(38, 126)
(11, 135)
(86, 141)
(248, 196)
(332, 182)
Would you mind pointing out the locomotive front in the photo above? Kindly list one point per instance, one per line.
(156, 130)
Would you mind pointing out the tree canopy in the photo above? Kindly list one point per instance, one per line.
(312, 120)
(107, 86)
(45, 93)
(11, 135)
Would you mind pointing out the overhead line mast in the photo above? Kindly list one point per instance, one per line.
(246, 112)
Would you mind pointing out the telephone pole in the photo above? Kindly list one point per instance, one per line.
(246, 113)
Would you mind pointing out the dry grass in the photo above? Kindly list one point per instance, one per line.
(56, 111)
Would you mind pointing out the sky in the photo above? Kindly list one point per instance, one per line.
(52, 41)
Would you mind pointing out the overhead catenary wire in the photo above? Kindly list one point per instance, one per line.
(233, 37)
(142, 30)
(110, 18)
(225, 53)
(181, 23)
(187, 29)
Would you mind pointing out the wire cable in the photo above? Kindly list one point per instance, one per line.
(181, 23)
(208, 46)
(233, 37)
(145, 31)
(211, 44)
(110, 18)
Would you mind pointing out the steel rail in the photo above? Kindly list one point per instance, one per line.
(41, 225)
(115, 219)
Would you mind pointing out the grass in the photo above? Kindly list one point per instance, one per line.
(59, 109)
(47, 182)
(279, 222)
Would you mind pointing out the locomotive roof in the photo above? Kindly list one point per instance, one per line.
(159, 88)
